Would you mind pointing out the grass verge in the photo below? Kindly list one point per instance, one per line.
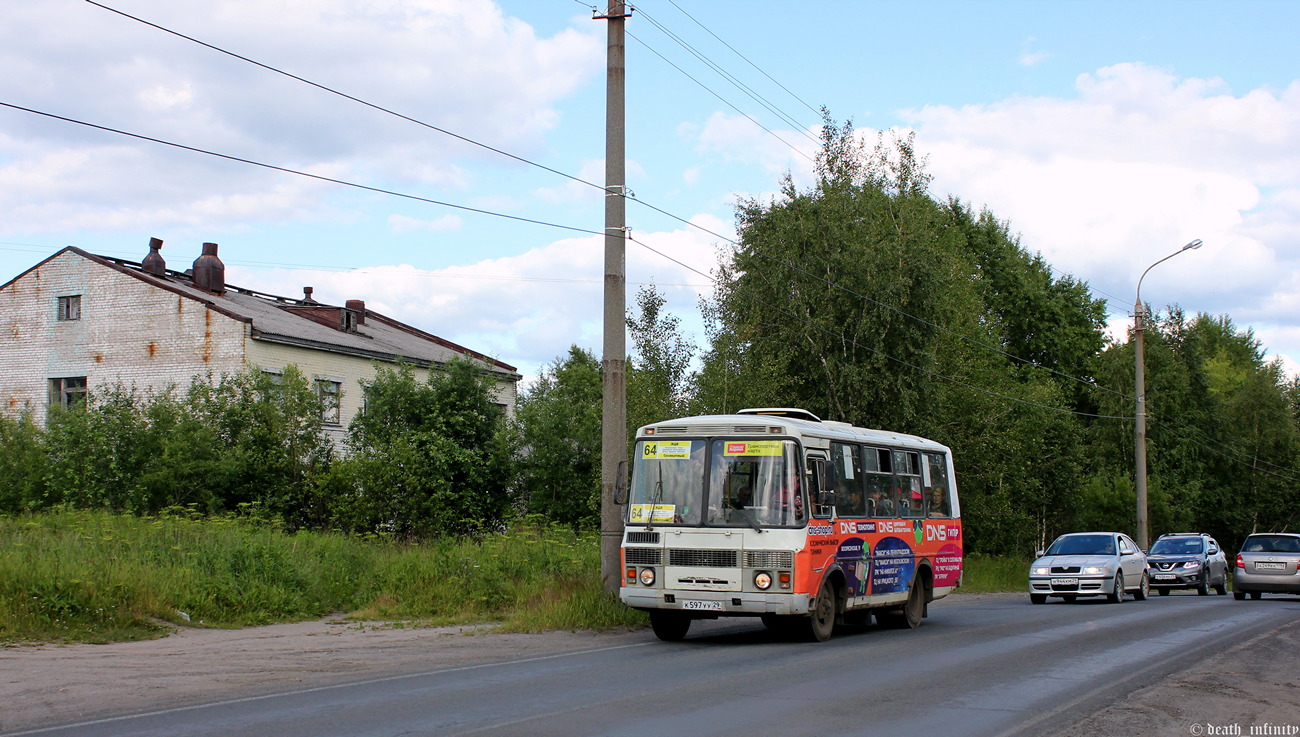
(97, 577)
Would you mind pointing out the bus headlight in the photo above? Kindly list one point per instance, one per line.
(648, 576)
(763, 580)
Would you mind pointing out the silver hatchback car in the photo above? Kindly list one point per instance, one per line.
(1090, 564)
(1267, 564)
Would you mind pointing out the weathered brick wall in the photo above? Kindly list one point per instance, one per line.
(129, 331)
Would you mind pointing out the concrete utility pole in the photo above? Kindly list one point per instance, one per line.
(1140, 412)
(614, 362)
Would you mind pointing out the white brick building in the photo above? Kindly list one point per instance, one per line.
(76, 321)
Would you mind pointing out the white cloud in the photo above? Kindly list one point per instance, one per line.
(404, 224)
(1108, 182)
(458, 65)
(1030, 57)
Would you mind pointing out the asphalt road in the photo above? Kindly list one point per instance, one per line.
(983, 666)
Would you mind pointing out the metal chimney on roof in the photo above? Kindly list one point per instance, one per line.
(209, 272)
(359, 307)
(154, 263)
(306, 295)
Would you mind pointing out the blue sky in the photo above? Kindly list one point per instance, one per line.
(1109, 134)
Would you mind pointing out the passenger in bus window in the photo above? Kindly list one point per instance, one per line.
(938, 503)
(882, 505)
(849, 500)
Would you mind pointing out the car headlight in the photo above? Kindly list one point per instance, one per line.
(648, 576)
(1040, 570)
(763, 580)
(1096, 570)
(1191, 565)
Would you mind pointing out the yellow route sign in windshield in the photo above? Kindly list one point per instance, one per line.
(667, 450)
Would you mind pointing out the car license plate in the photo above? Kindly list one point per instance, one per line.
(1270, 566)
(1065, 581)
(708, 606)
(1163, 577)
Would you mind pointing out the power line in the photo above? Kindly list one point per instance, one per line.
(742, 56)
(730, 77)
(724, 101)
(285, 170)
(346, 96)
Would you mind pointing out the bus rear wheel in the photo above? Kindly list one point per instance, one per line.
(669, 626)
(910, 616)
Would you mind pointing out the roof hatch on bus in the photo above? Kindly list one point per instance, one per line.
(791, 412)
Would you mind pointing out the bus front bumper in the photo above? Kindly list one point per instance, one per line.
(714, 603)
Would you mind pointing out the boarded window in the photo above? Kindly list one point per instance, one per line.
(70, 308)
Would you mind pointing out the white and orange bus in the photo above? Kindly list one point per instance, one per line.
(778, 514)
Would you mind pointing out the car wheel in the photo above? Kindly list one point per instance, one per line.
(822, 622)
(1203, 588)
(1038, 598)
(1239, 595)
(1143, 589)
(1163, 592)
(1117, 595)
(910, 616)
(1222, 589)
(669, 626)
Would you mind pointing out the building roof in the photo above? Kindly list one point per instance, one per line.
(306, 323)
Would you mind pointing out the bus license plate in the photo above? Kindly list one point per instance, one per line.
(708, 606)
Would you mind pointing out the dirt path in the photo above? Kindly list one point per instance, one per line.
(51, 684)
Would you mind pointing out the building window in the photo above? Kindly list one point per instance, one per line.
(348, 321)
(330, 392)
(68, 392)
(70, 308)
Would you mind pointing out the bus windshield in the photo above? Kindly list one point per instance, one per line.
(719, 483)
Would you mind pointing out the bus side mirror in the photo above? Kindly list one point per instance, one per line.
(620, 484)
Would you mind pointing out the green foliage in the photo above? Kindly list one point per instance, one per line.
(98, 577)
(22, 463)
(428, 459)
(659, 379)
(558, 435)
(995, 573)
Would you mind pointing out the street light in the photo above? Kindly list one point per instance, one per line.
(1140, 441)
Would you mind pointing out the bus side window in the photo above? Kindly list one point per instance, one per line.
(844, 473)
(934, 475)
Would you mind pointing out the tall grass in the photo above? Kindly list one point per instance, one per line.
(992, 573)
(79, 576)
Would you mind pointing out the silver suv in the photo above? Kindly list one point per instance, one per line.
(1267, 564)
(1187, 560)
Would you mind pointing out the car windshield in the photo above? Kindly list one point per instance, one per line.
(1083, 545)
(1178, 546)
(1271, 544)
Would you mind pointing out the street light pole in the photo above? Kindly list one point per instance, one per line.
(1139, 388)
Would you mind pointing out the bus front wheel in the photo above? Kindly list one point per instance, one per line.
(669, 626)
(822, 620)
